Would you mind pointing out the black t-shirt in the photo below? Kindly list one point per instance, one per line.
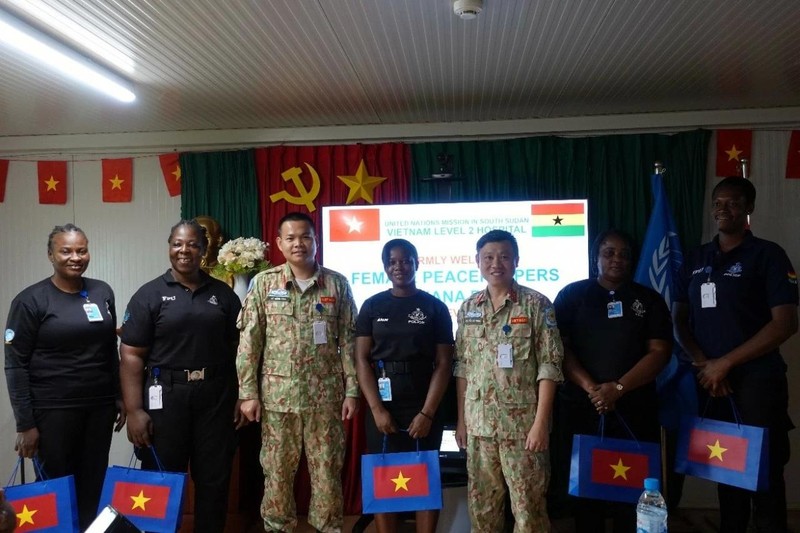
(406, 329)
(182, 328)
(607, 348)
(54, 356)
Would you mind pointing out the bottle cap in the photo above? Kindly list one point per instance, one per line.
(651, 483)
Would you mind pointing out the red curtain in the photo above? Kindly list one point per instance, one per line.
(296, 173)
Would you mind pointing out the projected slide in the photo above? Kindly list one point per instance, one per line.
(552, 237)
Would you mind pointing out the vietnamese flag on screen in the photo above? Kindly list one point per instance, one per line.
(401, 481)
(117, 180)
(718, 449)
(36, 512)
(558, 219)
(140, 499)
(354, 224)
(620, 469)
(52, 177)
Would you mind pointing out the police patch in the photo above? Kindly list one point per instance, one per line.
(550, 317)
(278, 294)
(9, 336)
(792, 276)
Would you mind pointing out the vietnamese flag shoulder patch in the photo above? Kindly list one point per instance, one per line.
(558, 219)
(354, 224)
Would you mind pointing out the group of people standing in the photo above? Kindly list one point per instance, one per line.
(195, 365)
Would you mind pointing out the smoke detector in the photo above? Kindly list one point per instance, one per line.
(467, 9)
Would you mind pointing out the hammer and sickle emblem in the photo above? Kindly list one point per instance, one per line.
(306, 197)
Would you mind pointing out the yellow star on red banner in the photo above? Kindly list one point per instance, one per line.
(733, 153)
(620, 470)
(51, 183)
(401, 482)
(177, 173)
(361, 185)
(116, 183)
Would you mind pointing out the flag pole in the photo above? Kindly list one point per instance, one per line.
(659, 170)
(746, 175)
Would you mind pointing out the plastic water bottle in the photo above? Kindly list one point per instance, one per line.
(651, 511)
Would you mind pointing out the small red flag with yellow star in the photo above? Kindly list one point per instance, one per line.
(171, 168)
(117, 180)
(732, 147)
(52, 178)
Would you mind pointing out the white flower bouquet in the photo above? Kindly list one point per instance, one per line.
(242, 256)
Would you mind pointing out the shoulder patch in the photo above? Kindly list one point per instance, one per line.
(550, 317)
(9, 336)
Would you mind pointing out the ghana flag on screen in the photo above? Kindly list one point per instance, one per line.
(558, 219)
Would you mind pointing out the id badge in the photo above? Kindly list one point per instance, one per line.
(385, 389)
(614, 309)
(505, 356)
(708, 295)
(155, 400)
(320, 332)
(92, 312)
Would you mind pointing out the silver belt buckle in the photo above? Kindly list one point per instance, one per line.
(195, 375)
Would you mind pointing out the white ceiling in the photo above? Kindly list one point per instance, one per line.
(282, 64)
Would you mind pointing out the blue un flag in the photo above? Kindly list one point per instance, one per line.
(659, 264)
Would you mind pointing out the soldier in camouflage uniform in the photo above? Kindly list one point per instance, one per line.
(508, 362)
(297, 333)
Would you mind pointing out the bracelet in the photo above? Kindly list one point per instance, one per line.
(426, 415)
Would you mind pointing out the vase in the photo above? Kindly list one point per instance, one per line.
(241, 283)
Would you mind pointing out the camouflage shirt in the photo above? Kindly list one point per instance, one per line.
(501, 402)
(277, 341)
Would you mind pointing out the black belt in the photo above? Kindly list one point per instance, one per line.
(405, 367)
(188, 375)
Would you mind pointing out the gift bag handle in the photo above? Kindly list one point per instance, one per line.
(386, 442)
(736, 417)
(37, 465)
(152, 448)
(602, 427)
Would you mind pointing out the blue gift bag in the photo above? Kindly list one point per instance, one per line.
(48, 505)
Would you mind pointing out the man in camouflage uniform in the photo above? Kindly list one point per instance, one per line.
(508, 361)
(297, 332)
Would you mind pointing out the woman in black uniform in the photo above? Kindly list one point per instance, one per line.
(179, 338)
(62, 369)
(617, 337)
(406, 335)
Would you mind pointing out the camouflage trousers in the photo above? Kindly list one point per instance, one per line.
(283, 436)
(490, 461)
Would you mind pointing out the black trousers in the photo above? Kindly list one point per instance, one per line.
(762, 399)
(76, 441)
(194, 431)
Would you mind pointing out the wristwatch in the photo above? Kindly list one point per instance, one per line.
(619, 386)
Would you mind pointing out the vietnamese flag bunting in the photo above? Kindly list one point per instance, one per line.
(52, 176)
(732, 147)
(401, 481)
(117, 180)
(3, 176)
(171, 168)
(354, 224)
(558, 219)
(37, 513)
(793, 157)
